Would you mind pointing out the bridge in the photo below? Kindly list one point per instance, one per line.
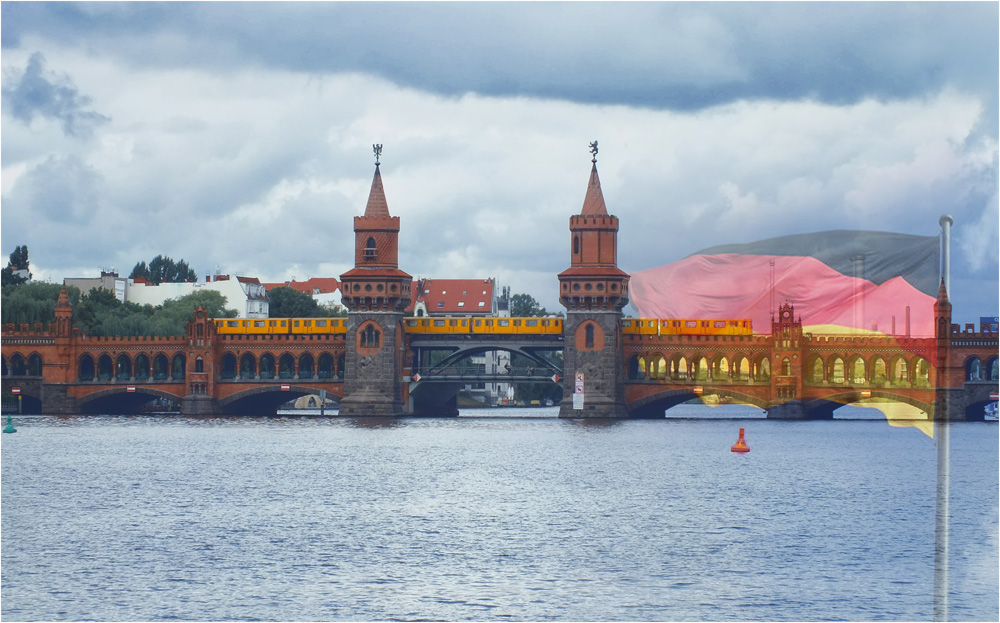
(380, 362)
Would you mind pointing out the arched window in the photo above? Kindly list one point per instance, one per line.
(589, 340)
(576, 245)
(267, 366)
(973, 369)
(228, 366)
(199, 363)
(306, 368)
(370, 337)
(248, 367)
(324, 367)
(786, 367)
(34, 365)
(370, 249)
(141, 368)
(86, 368)
(123, 368)
(177, 368)
(17, 367)
(286, 366)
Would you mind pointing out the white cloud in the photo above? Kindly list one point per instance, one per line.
(262, 171)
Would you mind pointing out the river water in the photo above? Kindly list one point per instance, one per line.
(496, 515)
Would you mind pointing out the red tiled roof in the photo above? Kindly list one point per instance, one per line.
(455, 296)
(326, 285)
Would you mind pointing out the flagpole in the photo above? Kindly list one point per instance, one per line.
(941, 514)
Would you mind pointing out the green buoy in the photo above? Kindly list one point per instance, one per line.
(10, 425)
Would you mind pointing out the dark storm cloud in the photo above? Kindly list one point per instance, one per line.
(661, 55)
(37, 92)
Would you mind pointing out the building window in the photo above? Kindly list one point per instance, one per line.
(370, 249)
(199, 365)
(589, 340)
(370, 337)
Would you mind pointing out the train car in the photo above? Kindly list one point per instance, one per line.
(705, 326)
(318, 326)
(640, 326)
(687, 326)
(447, 324)
(521, 326)
(482, 325)
(280, 326)
(251, 326)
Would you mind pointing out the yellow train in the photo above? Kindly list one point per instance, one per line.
(686, 326)
(282, 326)
(484, 326)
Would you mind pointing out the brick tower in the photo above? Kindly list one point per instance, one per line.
(593, 290)
(375, 293)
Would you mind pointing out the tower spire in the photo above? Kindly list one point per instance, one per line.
(593, 203)
(377, 205)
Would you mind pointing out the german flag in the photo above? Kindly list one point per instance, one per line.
(839, 281)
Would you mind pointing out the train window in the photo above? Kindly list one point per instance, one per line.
(233, 323)
(465, 323)
(259, 323)
(531, 323)
(479, 323)
(284, 323)
(704, 323)
(545, 323)
(691, 323)
(307, 323)
(439, 323)
(411, 323)
(296, 323)
(320, 323)
(517, 323)
(489, 323)
(503, 323)
(452, 323)
(720, 323)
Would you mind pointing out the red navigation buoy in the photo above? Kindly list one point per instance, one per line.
(741, 444)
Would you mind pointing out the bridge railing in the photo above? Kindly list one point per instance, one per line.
(519, 372)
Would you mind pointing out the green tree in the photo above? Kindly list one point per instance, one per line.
(18, 261)
(285, 302)
(525, 305)
(33, 302)
(163, 270)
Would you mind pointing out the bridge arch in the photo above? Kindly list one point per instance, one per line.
(823, 408)
(654, 405)
(120, 401)
(265, 400)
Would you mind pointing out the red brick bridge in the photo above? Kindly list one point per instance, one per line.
(606, 373)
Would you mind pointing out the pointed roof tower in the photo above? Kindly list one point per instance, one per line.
(593, 203)
(375, 282)
(593, 280)
(377, 205)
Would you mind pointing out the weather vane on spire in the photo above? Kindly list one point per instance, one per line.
(378, 152)
(593, 150)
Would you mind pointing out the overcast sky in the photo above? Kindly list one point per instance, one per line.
(238, 136)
